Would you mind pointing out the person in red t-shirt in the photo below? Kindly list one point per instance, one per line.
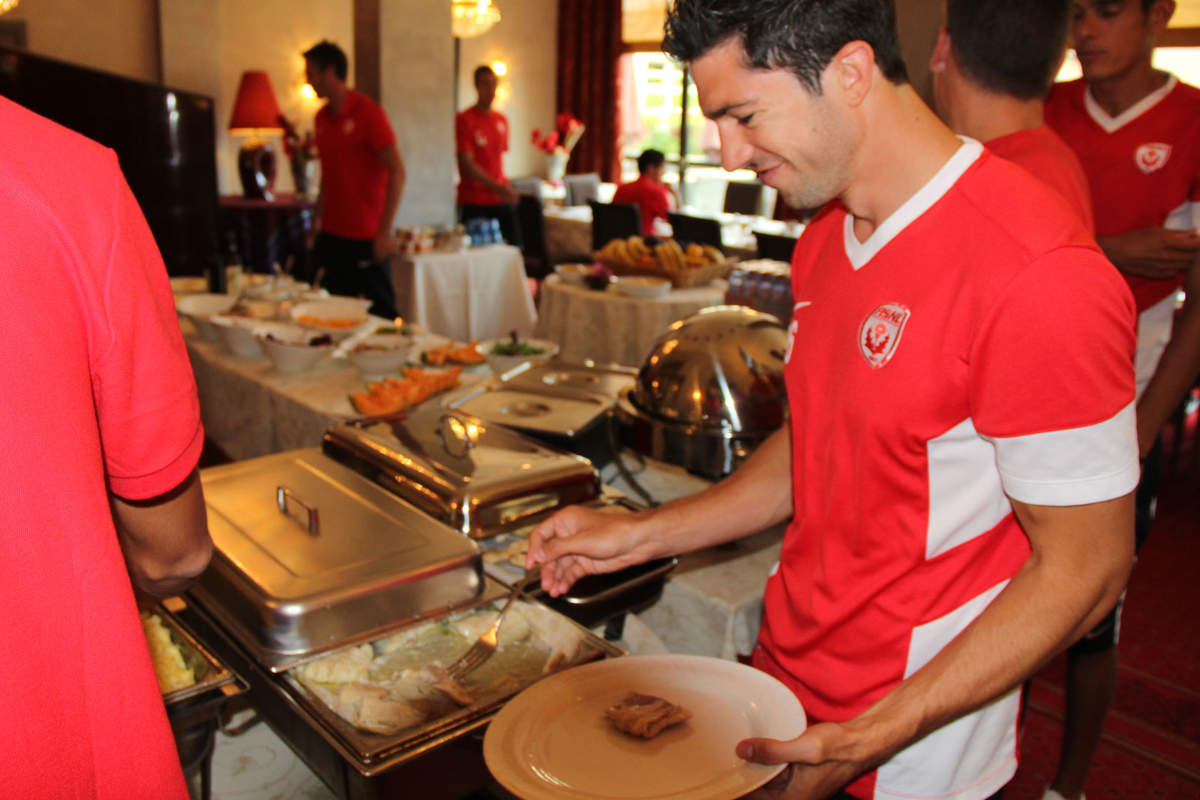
(652, 197)
(362, 179)
(1136, 131)
(481, 140)
(960, 454)
(992, 66)
(102, 434)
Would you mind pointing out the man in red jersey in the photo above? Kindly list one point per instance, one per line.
(102, 434)
(362, 178)
(648, 192)
(961, 449)
(1137, 133)
(481, 140)
(992, 68)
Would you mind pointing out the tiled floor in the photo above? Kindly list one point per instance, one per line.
(257, 765)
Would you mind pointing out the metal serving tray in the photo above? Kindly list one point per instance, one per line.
(210, 673)
(561, 399)
(298, 714)
(478, 477)
(309, 556)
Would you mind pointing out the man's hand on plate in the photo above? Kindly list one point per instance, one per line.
(1155, 253)
(580, 541)
(821, 761)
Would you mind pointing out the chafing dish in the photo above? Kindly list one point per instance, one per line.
(563, 403)
(475, 476)
(709, 391)
(309, 555)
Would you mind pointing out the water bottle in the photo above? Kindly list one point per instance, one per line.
(474, 232)
(495, 236)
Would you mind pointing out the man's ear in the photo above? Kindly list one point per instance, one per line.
(1160, 14)
(852, 72)
(940, 57)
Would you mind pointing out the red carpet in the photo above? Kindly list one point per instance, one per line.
(1151, 744)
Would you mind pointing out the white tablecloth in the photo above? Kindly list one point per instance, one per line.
(612, 328)
(479, 293)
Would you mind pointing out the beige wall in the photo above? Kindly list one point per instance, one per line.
(114, 35)
(416, 64)
(917, 22)
(526, 39)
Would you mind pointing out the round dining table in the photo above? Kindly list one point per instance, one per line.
(609, 327)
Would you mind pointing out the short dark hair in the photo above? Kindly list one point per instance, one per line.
(1012, 47)
(801, 36)
(650, 158)
(480, 71)
(327, 54)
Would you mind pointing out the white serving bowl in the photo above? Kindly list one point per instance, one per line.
(199, 307)
(573, 273)
(381, 353)
(259, 309)
(638, 286)
(288, 347)
(189, 284)
(501, 364)
(337, 316)
(240, 333)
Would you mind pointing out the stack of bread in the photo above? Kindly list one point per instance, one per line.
(690, 266)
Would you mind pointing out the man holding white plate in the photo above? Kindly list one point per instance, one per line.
(953, 522)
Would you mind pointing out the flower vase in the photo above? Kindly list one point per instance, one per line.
(556, 167)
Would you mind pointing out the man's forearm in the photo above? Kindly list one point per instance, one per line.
(755, 497)
(164, 540)
(1177, 368)
(467, 165)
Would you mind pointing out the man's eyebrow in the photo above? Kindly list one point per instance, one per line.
(725, 109)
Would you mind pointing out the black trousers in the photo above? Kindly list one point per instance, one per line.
(510, 226)
(348, 268)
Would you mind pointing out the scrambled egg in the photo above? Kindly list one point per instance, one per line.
(170, 668)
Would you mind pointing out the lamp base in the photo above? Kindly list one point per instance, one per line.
(256, 165)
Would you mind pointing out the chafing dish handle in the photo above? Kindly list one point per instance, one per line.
(282, 494)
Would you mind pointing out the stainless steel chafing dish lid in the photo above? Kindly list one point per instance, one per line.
(478, 477)
(310, 555)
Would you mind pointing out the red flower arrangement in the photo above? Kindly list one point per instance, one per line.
(564, 137)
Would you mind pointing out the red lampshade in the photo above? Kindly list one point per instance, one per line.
(255, 108)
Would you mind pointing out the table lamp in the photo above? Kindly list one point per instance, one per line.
(256, 115)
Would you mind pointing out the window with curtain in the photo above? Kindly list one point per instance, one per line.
(659, 110)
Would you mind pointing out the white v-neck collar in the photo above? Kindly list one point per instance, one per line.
(859, 253)
(1109, 123)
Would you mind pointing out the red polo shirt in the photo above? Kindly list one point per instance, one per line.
(483, 134)
(651, 197)
(353, 178)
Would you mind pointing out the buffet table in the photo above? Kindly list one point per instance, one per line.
(250, 409)
(479, 293)
(612, 328)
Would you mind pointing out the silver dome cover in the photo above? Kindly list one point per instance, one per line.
(720, 368)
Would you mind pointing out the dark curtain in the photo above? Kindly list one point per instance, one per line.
(589, 46)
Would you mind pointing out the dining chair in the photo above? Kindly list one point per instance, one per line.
(528, 186)
(582, 188)
(700, 230)
(614, 221)
(743, 197)
(775, 247)
(531, 216)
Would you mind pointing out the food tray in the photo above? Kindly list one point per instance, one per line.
(375, 749)
(210, 673)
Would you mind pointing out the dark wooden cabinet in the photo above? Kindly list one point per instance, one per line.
(268, 232)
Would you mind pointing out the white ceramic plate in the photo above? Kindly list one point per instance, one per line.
(552, 741)
(573, 273)
(500, 364)
(635, 286)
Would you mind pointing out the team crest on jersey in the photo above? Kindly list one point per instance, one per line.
(348, 127)
(879, 334)
(1152, 157)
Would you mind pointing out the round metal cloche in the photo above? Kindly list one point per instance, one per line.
(710, 389)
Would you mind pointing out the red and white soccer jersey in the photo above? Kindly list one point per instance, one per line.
(1048, 158)
(1144, 171)
(977, 345)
